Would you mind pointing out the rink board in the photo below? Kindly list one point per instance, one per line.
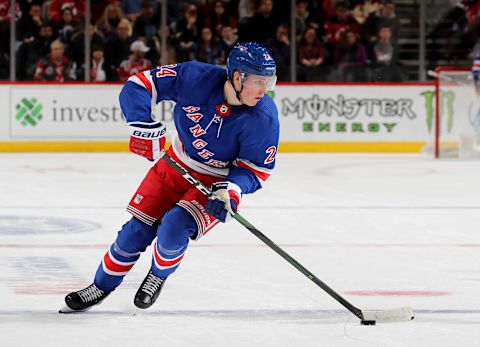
(356, 117)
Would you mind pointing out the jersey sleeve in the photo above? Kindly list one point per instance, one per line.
(145, 89)
(256, 158)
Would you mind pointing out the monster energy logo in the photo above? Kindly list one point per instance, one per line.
(447, 99)
(29, 112)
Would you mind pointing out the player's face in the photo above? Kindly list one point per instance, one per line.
(255, 87)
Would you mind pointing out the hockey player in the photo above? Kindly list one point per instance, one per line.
(227, 138)
(476, 72)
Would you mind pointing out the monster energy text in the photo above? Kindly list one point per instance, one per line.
(314, 108)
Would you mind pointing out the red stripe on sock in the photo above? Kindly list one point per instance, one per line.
(114, 267)
(165, 263)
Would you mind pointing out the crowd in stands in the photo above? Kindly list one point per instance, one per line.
(352, 40)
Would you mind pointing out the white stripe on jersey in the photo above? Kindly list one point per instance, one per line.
(148, 76)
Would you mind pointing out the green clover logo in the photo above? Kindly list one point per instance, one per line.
(29, 112)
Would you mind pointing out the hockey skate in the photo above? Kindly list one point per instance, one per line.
(83, 299)
(149, 290)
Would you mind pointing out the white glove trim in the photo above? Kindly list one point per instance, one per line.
(222, 194)
(147, 133)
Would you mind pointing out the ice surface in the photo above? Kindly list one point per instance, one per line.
(384, 231)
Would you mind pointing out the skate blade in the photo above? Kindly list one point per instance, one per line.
(67, 310)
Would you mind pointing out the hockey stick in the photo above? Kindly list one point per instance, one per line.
(366, 317)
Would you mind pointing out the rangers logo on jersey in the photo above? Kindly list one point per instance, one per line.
(267, 56)
(191, 109)
(195, 116)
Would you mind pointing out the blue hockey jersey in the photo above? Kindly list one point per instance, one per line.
(238, 143)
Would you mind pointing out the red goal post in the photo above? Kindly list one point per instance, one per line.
(456, 132)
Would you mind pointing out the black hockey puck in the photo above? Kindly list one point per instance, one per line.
(368, 322)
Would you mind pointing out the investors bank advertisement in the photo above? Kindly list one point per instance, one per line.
(307, 113)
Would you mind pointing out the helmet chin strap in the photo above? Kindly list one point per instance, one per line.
(237, 92)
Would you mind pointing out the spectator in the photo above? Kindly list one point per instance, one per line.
(350, 59)
(32, 50)
(329, 7)
(29, 25)
(187, 32)
(4, 65)
(56, 7)
(227, 42)
(99, 70)
(5, 24)
(66, 27)
(176, 9)
(4, 37)
(146, 24)
(205, 49)
(471, 34)
(282, 11)
(364, 9)
(384, 50)
(386, 58)
(97, 8)
(340, 23)
(133, 8)
(301, 18)
(246, 9)
(261, 26)
(136, 63)
(77, 47)
(311, 54)
(219, 18)
(279, 46)
(56, 67)
(387, 17)
(117, 48)
(155, 45)
(27, 4)
(108, 22)
(318, 16)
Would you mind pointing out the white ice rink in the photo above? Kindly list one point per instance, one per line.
(382, 230)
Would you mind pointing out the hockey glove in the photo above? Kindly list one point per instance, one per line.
(224, 201)
(147, 139)
(476, 78)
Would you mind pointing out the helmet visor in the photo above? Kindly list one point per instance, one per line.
(259, 82)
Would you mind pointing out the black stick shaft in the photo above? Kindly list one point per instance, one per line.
(197, 184)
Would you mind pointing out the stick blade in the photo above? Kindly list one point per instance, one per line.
(67, 310)
(402, 314)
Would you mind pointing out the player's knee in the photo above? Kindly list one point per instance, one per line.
(135, 236)
(176, 228)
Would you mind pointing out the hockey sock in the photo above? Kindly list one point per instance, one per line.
(166, 261)
(114, 266)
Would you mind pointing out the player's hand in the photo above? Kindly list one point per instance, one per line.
(224, 201)
(147, 139)
(476, 79)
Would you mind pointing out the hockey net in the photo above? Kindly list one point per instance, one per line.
(456, 121)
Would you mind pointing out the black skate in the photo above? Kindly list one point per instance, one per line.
(83, 299)
(148, 292)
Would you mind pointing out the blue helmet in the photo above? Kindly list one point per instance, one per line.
(251, 58)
